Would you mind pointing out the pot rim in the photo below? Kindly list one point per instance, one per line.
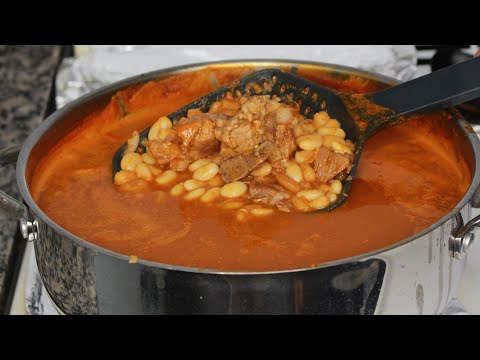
(34, 137)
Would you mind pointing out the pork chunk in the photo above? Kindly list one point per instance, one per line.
(237, 167)
(285, 140)
(241, 135)
(244, 132)
(270, 194)
(282, 137)
(198, 137)
(164, 151)
(329, 164)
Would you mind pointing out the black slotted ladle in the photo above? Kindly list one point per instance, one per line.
(360, 116)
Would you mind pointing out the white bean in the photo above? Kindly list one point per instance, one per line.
(320, 202)
(130, 161)
(162, 123)
(320, 119)
(305, 156)
(192, 184)
(206, 172)
(310, 195)
(308, 173)
(298, 130)
(230, 205)
(332, 197)
(301, 204)
(261, 212)
(340, 148)
(325, 188)
(198, 164)
(177, 190)
(143, 172)
(211, 195)
(332, 131)
(234, 189)
(263, 170)
(294, 172)
(153, 132)
(166, 133)
(310, 142)
(148, 159)
(165, 123)
(329, 139)
(332, 124)
(336, 187)
(155, 170)
(217, 181)
(166, 178)
(195, 194)
(132, 143)
(123, 177)
(308, 127)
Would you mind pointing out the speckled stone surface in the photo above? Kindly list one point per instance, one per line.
(26, 73)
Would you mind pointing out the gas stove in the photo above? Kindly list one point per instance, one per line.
(32, 298)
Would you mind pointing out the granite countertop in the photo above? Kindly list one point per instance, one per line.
(26, 73)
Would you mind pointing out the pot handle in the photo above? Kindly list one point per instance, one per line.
(476, 198)
(7, 156)
(462, 237)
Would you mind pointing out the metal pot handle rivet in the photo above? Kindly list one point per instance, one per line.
(462, 238)
(10, 205)
(29, 229)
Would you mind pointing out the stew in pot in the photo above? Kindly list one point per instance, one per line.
(408, 178)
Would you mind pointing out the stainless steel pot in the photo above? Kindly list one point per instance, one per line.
(418, 275)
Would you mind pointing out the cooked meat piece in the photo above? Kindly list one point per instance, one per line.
(217, 117)
(221, 120)
(269, 194)
(241, 134)
(283, 115)
(225, 106)
(179, 164)
(187, 129)
(197, 114)
(288, 183)
(198, 136)
(255, 108)
(193, 112)
(205, 141)
(270, 126)
(245, 130)
(259, 155)
(164, 151)
(284, 205)
(285, 140)
(239, 166)
(225, 154)
(270, 130)
(329, 164)
(234, 168)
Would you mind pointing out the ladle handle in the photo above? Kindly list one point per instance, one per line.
(444, 88)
